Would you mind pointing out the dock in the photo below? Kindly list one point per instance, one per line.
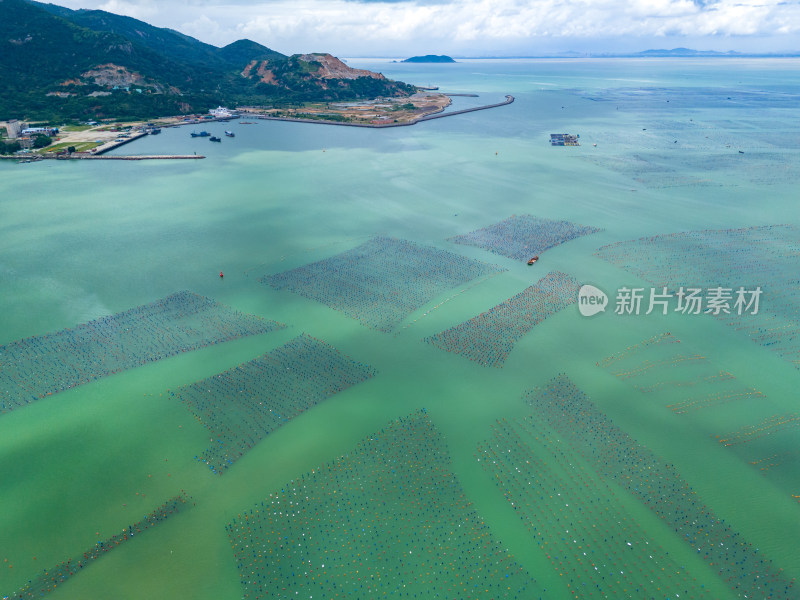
(31, 158)
(141, 157)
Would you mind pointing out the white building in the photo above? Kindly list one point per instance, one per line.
(40, 130)
(221, 112)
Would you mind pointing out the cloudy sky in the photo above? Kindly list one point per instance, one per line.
(399, 28)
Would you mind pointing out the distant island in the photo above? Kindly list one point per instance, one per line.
(429, 58)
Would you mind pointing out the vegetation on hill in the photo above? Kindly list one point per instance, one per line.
(59, 64)
(430, 58)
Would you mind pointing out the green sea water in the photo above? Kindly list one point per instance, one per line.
(666, 146)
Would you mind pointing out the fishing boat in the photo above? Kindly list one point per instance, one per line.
(201, 134)
(230, 134)
(533, 260)
(214, 138)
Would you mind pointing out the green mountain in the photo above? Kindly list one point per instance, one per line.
(430, 58)
(59, 64)
(241, 52)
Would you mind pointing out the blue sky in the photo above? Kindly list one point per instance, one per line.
(400, 28)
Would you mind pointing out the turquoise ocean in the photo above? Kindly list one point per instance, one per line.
(667, 146)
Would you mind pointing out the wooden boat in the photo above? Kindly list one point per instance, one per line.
(533, 260)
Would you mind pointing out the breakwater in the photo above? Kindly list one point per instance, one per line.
(509, 99)
(437, 115)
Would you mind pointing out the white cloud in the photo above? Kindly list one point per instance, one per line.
(138, 10)
(471, 27)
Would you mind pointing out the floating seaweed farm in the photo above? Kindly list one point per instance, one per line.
(680, 379)
(770, 446)
(382, 281)
(54, 577)
(523, 236)
(614, 455)
(769, 426)
(561, 502)
(241, 406)
(564, 139)
(491, 336)
(388, 519)
(730, 259)
(685, 381)
(43, 365)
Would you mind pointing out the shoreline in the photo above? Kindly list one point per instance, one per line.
(439, 114)
(100, 154)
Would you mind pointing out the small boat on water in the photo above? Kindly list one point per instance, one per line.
(230, 134)
(533, 260)
(246, 123)
(214, 138)
(201, 134)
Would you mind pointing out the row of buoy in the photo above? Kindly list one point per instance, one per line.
(489, 337)
(616, 456)
(382, 281)
(522, 236)
(242, 405)
(39, 366)
(389, 517)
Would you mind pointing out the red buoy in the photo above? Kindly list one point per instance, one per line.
(220, 274)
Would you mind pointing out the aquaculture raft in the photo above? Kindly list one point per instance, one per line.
(617, 457)
(241, 406)
(522, 236)
(747, 258)
(560, 503)
(42, 365)
(388, 519)
(54, 577)
(489, 337)
(382, 281)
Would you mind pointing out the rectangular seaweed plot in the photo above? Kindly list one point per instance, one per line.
(42, 365)
(577, 520)
(382, 281)
(682, 380)
(731, 259)
(523, 236)
(490, 337)
(49, 579)
(388, 519)
(241, 406)
(615, 455)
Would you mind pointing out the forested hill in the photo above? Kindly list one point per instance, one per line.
(62, 64)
